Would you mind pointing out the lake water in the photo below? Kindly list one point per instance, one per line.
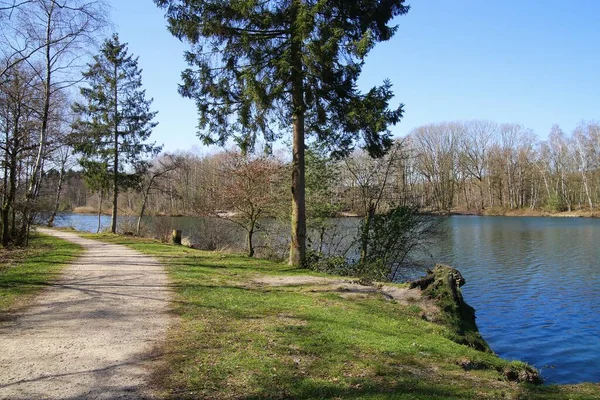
(534, 282)
(535, 286)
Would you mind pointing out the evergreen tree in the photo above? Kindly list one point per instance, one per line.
(116, 120)
(267, 66)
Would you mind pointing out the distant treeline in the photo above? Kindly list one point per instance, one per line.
(468, 166)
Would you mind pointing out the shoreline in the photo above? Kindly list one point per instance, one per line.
(489, 212)
(494, 212)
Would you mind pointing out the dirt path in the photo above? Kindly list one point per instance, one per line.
(93, 334)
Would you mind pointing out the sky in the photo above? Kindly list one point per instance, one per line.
(536, 63)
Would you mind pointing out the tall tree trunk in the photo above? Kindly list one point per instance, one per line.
(100, 196)
(249, 241)
(364, 235)
(9, 202)
(490, 190)
(61, 177)
(5, 204)
(143, 209)
(113, 223)
(481, 195)
(298, 244)
(587, 190)
(36, 175)
(10, 187)
(466, 193)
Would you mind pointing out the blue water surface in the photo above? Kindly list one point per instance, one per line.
(535, 285)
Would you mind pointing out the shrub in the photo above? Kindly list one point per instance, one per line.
(334, 265)
(390, 238)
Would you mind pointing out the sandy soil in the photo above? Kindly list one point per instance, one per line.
(403, 295)
(92, 335)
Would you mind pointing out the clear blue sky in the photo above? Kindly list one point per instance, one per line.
(531, 62)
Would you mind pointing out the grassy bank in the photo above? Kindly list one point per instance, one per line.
(256, 329)
(24, 272)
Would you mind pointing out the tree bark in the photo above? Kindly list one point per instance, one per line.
(61, 178)
(35, 178)
(100, 196)
(587, 190)
(298, 244)
(481, 195)
(9, 202)
(10, 179)
(364, 239)
(144, 201)
(249, 241)
(113, 223)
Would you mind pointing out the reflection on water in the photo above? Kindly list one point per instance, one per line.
(533, 281)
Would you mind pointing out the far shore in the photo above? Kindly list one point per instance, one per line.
(527, 212)
(488, 212)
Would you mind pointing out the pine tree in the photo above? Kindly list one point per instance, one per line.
(267, 66)
(116, 120)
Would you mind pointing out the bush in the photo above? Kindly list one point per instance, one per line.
(555, 204)
(334, 265)
(390, 238)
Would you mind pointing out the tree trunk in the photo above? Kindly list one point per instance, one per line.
(587, 190)
(466, 194)
(490, 191)
(321, 238)
(5, 211)
(144, 201)
(364, 235)
(61, 178)
(35, 178)
(176, 236)
(298, 245)
(249, 241)
(9, 199)
(100, 196)
(113, 223)
(481, 195)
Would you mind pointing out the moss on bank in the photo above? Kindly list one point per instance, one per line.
(443, 285)
(240, 338)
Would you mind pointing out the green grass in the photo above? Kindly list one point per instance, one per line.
(242, 339)
(24, 272)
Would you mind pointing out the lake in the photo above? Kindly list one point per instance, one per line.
(534, 283)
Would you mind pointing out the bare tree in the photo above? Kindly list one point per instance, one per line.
(13, 52)
(155, 172)
(18, 122)
(62, 158)
(248, 184)
(51, 36)
(476, 142)
(559, 156)
(373, 177)
(436, 146)
(586, 155)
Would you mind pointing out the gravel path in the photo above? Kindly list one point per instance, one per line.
(92, 335)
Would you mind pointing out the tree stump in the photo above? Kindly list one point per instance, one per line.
(443, 285)
(176, 237)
